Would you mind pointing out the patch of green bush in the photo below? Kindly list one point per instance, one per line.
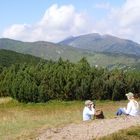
(63, 80)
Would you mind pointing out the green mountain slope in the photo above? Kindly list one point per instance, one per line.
(103, 43)
(54, 51)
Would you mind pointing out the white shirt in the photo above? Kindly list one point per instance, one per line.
(132, 108)
(87, 113)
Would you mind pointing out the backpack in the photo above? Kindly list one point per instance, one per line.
(99, 114)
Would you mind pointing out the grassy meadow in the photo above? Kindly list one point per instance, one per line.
(26, 121)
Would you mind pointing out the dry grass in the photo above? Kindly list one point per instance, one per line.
(25, 121)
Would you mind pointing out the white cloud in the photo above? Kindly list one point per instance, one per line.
(130, 13)
(123, 21)
(61, 22)
(16, 30)
(129, 20)
(56, 24)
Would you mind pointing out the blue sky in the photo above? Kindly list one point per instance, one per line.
(21, 19)
(29, 11)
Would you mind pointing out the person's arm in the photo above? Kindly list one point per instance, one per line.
(92, 111)
(129, 107)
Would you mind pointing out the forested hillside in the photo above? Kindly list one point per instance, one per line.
(7, 58)
(64, 80)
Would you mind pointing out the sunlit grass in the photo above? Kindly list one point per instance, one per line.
(132, 133)
(24, 121)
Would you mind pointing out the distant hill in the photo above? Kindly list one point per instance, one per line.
(7, 58)
(48, 50)
(103, 43)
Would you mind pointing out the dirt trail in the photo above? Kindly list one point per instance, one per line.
(89, 130)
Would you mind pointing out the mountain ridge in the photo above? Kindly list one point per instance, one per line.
(103, 43)
(49, 50)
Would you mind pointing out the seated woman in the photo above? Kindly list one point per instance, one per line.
(88, 111)
(132, 106)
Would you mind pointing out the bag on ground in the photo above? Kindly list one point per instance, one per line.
(99, 114)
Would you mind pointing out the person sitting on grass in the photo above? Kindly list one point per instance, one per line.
(132, 106)
(88, 111)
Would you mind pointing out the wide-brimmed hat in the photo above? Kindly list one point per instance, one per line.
(88, 102)
(130, 94)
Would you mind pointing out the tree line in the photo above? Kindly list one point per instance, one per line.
(64, 80)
